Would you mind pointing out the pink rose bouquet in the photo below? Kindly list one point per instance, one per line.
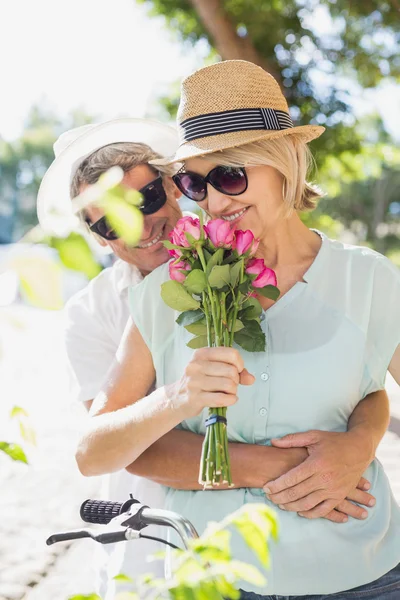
(214, 281)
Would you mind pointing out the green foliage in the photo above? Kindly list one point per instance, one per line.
(75, 254)
(196, 281)
(14, 451)
(40, 280)
(23, 163)
(83, 597)
(175, 296)
(207, 571)
(362, 44)
(251, 338)
(323, 53)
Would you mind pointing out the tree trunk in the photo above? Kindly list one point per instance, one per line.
(227, 42)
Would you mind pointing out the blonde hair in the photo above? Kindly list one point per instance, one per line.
(126, 155)
(289, 155)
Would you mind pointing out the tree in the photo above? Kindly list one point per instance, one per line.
(23, 163)
(321, 51)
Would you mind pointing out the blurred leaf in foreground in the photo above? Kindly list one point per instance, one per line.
(14, 451)
(75, 253)
(41, 281)
(26, 430)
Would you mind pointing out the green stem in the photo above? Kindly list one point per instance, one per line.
(236, 305)
(208, 320)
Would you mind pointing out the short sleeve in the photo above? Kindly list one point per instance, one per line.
(154, 319)
(90, 351)
(383, 335)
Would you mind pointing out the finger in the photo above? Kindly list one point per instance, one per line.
(305, 504)
(220, 369)
(217, 399)
(291, 478)
(292, 494)
(361, 498)
(336, 517)
(218, 384)
(246, 378)
(321, 510)
(352, 510)
(296, 440)
(364, 484)
(220, 354)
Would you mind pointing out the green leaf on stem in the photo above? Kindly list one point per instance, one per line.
(190, 316)
(219, 277)
(251, 337)
(235, 271)
(256, 526)
(229, 259)
(215, 259)
(200, 341)
(238, 326)
(269, 291)
(192, 240)
(196, 281)
(14, 451)
(252, 308)
(245, 287)
(171, 246)
(207, 255)
(174, 295)
(198, 328)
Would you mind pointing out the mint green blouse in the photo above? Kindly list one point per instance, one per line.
(330, 340)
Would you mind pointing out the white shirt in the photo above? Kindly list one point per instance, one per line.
(95, 321)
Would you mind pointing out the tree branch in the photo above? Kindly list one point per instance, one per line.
(227, 42)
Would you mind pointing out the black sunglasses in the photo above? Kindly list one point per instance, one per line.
(154, 198)
(231, 181)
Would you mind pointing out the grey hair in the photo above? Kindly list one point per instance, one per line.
(126, 155)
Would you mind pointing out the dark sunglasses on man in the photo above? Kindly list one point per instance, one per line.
(231, 181)
(154, 198)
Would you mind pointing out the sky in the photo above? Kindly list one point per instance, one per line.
(107, 57)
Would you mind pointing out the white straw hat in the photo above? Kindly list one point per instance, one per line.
(229, 104)
(72, 147)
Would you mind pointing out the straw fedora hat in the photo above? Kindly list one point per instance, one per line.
(72, 147)
(229, 104)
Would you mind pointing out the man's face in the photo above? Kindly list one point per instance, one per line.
(146, 258)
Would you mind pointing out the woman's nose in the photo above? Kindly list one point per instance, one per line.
(217, 203)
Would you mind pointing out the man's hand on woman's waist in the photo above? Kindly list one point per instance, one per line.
(329, 481)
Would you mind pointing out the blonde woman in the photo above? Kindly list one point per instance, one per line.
(331, 338)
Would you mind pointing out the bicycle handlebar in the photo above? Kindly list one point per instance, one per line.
(130, 515)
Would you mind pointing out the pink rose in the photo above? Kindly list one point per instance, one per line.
(175, 253)
(245, 242)
(176, 268)
(185, 225)
(220, 233)
(265, 276)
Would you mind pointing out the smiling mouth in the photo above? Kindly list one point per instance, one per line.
(235, 215)
(153, 241)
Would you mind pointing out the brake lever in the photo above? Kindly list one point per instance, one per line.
(107, 537)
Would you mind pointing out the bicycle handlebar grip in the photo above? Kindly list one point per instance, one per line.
(102, 511)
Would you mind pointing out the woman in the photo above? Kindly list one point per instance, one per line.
(331, 337)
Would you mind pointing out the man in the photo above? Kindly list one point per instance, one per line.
(97, 316)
